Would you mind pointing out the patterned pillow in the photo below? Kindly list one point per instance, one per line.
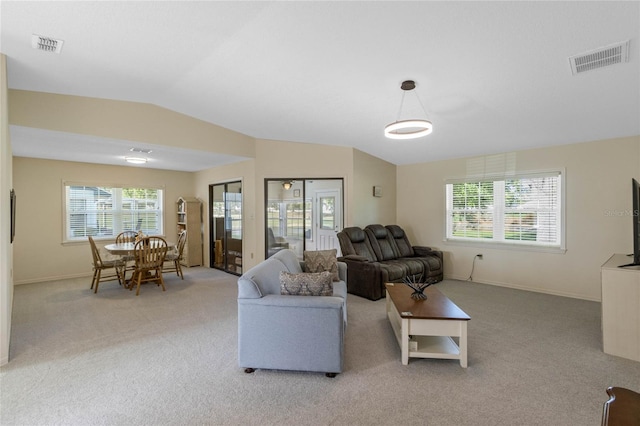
(306, 284)
(322, 260)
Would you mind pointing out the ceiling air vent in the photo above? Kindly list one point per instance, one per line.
(46, 44)
(141, 150)
(603, 57)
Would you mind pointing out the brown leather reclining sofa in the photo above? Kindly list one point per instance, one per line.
(380, 254)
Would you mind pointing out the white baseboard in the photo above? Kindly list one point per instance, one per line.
(55, 278)
(525, 288)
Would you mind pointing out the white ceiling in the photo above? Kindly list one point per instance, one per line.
(492, 76)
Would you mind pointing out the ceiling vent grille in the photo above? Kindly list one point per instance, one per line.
(603, 57)
(46, 44)
(141, 150)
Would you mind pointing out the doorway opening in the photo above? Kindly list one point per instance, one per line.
(225, 227)
(303, 214)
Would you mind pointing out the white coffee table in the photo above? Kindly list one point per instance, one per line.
(427, 328)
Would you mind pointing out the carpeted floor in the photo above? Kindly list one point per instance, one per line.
(112, 358)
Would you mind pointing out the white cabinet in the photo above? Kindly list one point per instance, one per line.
(621, 308)
(189, 212)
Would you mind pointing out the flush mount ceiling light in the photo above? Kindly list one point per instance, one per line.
(135, 160)
(408, 129)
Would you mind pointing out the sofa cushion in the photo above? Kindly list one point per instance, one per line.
(394, 270)
(322, 260)
(306, 284)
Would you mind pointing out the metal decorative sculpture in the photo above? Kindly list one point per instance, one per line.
(418, 286)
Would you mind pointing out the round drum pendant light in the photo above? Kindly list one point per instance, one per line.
(408, 129)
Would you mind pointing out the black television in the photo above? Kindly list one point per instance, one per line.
(635, 216)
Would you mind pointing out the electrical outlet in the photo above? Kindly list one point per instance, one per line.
(479, 256)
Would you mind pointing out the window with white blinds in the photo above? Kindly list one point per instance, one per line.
(523, 210)
(104, 212)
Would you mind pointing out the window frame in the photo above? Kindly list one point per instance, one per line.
(499, 241)
(67, 239)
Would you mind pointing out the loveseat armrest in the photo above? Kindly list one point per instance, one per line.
(248, 289)
(342, 271)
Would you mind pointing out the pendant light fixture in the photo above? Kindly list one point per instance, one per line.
(287, 184)
(408, 129)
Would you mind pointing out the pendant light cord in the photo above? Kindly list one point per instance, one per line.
(401, 104)
(423, 109)
(404, 92)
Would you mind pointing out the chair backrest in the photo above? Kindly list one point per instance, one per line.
(97, 260)
(381, 242)
(271, 239)
(405, 249)
(353, 240)
(126, 237)
(182, 240)
(622, 408)
(150, 252)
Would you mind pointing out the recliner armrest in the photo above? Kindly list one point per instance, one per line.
(353, 257)
(426, 251)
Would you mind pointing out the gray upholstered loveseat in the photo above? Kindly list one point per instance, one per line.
(283, 332)
(380, 254)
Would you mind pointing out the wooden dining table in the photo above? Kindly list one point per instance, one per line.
(124, 249)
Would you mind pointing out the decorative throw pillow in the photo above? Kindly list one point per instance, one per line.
(322, 260)
(306, 284)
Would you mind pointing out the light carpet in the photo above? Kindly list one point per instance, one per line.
(170, 358)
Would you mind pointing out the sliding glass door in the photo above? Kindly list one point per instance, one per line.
(225, 228)
(302, 214)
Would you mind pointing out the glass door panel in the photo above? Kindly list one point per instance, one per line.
(225, 229)
(302, 214)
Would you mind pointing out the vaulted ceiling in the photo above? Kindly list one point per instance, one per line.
(491, 76)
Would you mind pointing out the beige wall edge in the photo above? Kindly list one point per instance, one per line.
(123, 120)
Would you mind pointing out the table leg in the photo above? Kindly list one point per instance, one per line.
(463, 344)
(405, 341)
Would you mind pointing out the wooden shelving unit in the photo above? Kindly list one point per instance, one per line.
(189, 211)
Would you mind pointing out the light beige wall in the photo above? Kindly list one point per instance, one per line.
(244, 172)
(39, 254)
(6, 249)
(370, 171)
(598, 192)
(277, 159)
(123, 120)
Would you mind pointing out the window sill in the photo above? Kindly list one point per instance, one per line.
(505, 246)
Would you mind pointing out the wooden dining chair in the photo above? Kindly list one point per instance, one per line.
(622, 408)
(100, 265)
(127, 237)
(174, 257)
(149, 257)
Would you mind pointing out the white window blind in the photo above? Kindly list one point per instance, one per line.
(524, 210)
(104, 212)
